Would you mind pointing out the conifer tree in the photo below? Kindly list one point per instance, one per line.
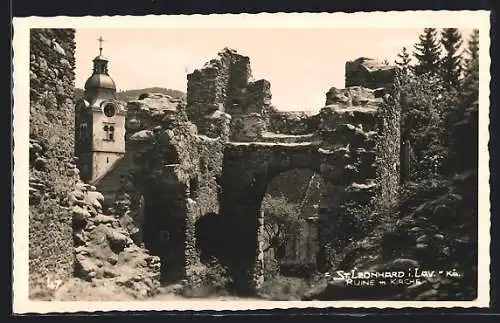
(427, 52)
(471, 66)
(404, 60)
(451, 64)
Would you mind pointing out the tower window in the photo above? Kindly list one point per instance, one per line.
(83, 131)
(109, 131)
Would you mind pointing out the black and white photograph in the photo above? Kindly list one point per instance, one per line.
(279, 160)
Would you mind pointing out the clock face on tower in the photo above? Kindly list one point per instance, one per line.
(109, 110)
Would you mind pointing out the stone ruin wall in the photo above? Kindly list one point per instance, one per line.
(178, 157)
(69, 234)
(182, 166)
(184, 159)
(369, 73)
(224, 87)
(379, 77)
(357, 132)
(52, 170)
(361, 133)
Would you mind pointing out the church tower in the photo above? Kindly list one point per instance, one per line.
(99, 124)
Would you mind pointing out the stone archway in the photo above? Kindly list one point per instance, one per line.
(290, 251)
(290, 208)
(248, 169)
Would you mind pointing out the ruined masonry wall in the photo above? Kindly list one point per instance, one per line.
(369, 73)
(292, 122)
(52, 171)
(171, 156)
(363, 128)
(224, 87)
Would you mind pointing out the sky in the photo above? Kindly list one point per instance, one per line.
(301, 64)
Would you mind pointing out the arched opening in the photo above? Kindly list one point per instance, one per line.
(289, 235)
(209, 234)
(164, 227)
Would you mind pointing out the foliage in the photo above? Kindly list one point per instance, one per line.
(425, 103)
(471, 69)
(281, 220)
(207, 279)
(404, 60)
(271, 268)
(217, 276)
(435, 100)
(427, 52)
(451, 63)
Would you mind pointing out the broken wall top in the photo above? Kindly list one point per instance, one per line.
(369, 73)
(152, 110)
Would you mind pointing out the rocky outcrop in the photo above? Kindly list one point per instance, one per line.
(52, 170)
(104, 250)
(421, 240)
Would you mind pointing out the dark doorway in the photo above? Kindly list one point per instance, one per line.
(210, 233)
(164, 233)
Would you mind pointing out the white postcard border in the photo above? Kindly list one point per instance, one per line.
(409, 19)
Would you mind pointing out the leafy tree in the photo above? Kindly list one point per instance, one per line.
(425, 101)
(404, 60)
(451, 68)
(427, 52)
(281, 220)
(471, 68)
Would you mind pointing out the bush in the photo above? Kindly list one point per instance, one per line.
(217, 276)
(206, 280)
(271, 269)
(282, 222)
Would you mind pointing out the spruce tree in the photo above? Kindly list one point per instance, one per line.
(451, 64)
(404, 60)
(427, 52)
(471, 66)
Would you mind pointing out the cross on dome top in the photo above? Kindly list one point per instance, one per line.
(100, 45)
